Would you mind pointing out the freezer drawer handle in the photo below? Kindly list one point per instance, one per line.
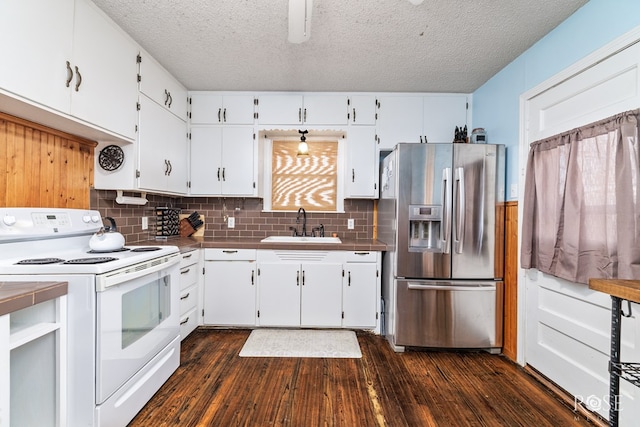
(470, 287)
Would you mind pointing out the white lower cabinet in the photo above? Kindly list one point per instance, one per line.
(292, 288)
(361, 290)
(189, 291)
(230, 287)
(33, 361)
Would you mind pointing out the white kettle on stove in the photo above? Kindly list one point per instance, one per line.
(107, 238)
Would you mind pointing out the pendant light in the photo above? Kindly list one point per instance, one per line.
(303, 148)
(299, 20)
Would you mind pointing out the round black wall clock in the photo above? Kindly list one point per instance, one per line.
(111, 157)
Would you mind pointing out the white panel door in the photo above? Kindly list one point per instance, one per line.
(280, 109)
(325, 110)
(206, 160)
(359, 295)
(568, 325)
(361, 177)
(238, 161)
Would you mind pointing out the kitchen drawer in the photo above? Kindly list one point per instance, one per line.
(188, 322)
(188, 299)
(188, 276)
(229, 254)
(188, 258)
(361, 256)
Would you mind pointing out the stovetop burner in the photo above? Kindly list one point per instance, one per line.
(39, 261)
(93, 251)
(92, 260)
(146, 249)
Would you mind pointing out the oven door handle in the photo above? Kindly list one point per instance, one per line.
(104, 281)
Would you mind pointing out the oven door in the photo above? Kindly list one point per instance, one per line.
(137, 316)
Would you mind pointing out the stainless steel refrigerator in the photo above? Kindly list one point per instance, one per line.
(441, 213)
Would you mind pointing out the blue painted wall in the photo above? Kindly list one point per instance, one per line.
(496, 103)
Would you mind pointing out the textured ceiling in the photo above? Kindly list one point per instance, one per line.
(355, 45)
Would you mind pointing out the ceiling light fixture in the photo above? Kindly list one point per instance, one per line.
(303, 147)
(299, 20)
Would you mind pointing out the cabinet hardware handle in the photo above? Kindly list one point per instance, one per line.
(170, 167)
(78, 79)
(185, 271)
(187, 256)
(166, 167)
(349, 279)
(219, 113)
(300, 115)
(218, 174)
(170, 100)
(302, 277)
(353, 175)
(223, 178)
(186, 296)
(224, 115)
(354, 115)
(229, 252)
(166, 97)
(361, 253)
(252, 273)
(69, 74)
(184, 321)
(297, 278)
(305, 115)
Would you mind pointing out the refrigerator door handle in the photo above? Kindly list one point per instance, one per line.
(421, 286)
(459, 237)
(445, 230)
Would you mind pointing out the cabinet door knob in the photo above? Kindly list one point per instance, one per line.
(69, 74)
(78, 79)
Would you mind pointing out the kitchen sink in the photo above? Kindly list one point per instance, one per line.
(300, 239)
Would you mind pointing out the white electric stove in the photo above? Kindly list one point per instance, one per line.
(122, 309)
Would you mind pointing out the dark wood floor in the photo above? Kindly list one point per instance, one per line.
(216, 387)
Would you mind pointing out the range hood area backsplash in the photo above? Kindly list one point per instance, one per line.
(250, 221)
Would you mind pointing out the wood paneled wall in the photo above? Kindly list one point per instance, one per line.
(510, 339)
(43, 167)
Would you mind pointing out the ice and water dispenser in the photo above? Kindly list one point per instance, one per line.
(425, 222)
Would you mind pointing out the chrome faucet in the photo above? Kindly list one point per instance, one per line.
(304, 220)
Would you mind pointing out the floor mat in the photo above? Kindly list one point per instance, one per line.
(301, 343)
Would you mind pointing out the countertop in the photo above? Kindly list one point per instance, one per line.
(625, 289)
(190, 243)
(15, 296)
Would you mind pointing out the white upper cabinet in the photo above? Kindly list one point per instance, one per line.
(105, 92)
(399, 120)
(162, 149)
(69, 57)
(296, 109)
(222, 161)
(362, 110)
(442, 113)
(212, 108)
(37, 37)
(162, 87)
(361, 175)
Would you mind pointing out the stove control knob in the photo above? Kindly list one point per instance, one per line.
(9, 220)
(86, 219)
(95, 218)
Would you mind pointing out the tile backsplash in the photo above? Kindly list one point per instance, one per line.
(250, 220)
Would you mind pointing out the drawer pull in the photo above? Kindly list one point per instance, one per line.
(186, 296)
(184, 321)
(361, 253)
(185, 271)
(229, 252)
(187, 256)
